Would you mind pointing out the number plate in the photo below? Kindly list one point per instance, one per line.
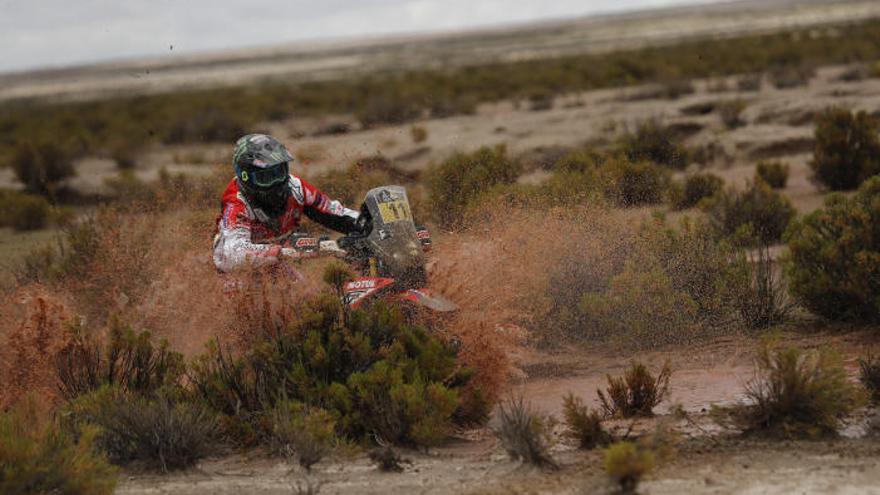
(395, 211)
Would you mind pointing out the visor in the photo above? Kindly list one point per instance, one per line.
(266, 177)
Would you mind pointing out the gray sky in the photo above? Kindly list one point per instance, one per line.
(38, 33)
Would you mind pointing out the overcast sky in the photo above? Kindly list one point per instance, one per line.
(38, 33)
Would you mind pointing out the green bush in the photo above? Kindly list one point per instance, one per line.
(630, 183)
(627, 463)
(463, 177)
(696, 187)
(636, 393)
(376, 375)
(24, 211)
(798, 393)
(38, 457)
(306, 434)
(42, 166)
(655, 143)
(847, 149)
(584, 424)
(757, 214)
(775, 174)
(525, 434)
(162, 432)
(834, 257)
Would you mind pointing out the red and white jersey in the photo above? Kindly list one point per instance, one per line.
(247, 236)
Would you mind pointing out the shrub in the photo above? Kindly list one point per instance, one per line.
(798, 393)
(162, 432)
(775, 174)
(762, 300)
(640, 308)
(463, 177)
(696, 187)
(634, 183)
(300, 432)
(39, 457)
(128, 360)
(655, 143)
(750, 82)
(627, 463)
(730, 112)
(525, 434)
(788, 77)
(23, 211)
(584, 424)
(833, 257)
(387, 459)
(418, 134)
(541, 101)
(756, 214)
(387, 108)
(869, 375)
(42, 166)
(636, 393)
(376, 375)
(696, 264)
(847, 149)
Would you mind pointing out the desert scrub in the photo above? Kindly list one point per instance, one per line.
(627, 463)
(42, 166)
(161, 431)
(300, 432)
(418, 134)
(757, 214)
(465, 176)
(797, 393)
(126, 358)
(24, 211)
(629, 183)
(636, 393)
(584, 424)
(834, 257)
(761, 297)
(525, 434)
(375, 374)
(775, 174)
(730, 113)
(640, 308)
(847, 149)
(696, 187)
(37, 456)
(654, 142)
(869, 375)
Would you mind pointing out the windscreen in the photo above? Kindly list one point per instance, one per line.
(393, 237)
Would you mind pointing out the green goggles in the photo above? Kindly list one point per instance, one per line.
(266, 177)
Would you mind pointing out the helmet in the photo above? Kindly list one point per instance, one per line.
(262, 168)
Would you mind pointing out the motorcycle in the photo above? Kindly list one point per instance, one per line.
(389, 256)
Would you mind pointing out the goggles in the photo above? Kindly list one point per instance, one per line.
(266, 177)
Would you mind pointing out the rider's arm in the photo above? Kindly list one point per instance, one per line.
(233, 247)
(329, 213)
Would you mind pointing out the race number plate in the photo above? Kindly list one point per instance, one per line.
(395, 211)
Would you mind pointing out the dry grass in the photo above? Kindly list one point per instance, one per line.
(636, 393)
(525, 434)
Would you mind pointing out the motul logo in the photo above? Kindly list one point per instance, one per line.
(361, 284)
(307, 242)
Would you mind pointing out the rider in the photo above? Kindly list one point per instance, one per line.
(263, 205)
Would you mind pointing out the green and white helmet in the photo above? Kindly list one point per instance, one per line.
(262, 166)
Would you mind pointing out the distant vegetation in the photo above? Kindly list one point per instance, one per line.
(110, 126)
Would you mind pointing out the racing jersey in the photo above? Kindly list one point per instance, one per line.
(247, 236)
